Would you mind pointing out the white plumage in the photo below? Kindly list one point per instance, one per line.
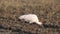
(31, 18)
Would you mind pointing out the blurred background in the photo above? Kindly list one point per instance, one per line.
(48, 12)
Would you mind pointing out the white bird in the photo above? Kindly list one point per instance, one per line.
(31, 18)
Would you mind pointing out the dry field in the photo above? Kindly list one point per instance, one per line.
(48, 12)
